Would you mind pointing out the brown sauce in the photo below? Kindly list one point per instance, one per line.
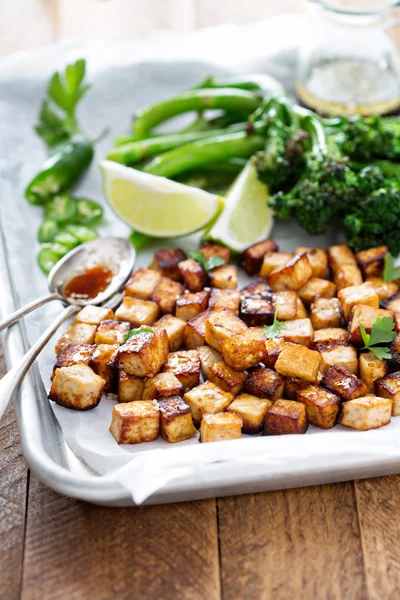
(89, 284)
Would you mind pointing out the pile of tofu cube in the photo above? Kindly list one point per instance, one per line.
(203, 361)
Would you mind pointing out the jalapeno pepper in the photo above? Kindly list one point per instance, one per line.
(89, 213)
(66, 239)
(49, 255)
(61, 209)
(47, 231)
(83, 234)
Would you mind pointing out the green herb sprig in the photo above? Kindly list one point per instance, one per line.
(382, 333)
(210, 264)
(137, 331)
(390, 271)
(272, 331)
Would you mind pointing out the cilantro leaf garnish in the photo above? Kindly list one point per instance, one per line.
(390, 271)
(137, 331)
(382, 333)
(211, 263)
(271, 331)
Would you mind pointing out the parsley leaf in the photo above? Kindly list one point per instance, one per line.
(137, 331)
(272, 331)
(382, 332)
(211, 263)
(390, 271)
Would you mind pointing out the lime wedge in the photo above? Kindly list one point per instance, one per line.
(157, 206)
(246, 218)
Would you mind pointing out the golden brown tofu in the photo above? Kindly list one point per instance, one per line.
(130, 387)
(264, 383)
(347, 275)
(166, 293)
(252, 410)
(259, 287)
(371, 369)
(369, 412)
(318, 259)
(74, 354)
(103, 362)
(292, 276)
(193, 274)
(257, 310)
(393, 304)
(135, 422)
(301, 311)
(367, 316)
(340, 255)
(322, 407)
(274, 348)
(342, 355)
(285, 417)
(325, 313)
(209, 249)
(292, 385)
(195, 331)
(167, 262)
(176, 421)
(252, 257)
(382, 288)
(224, 278)
(76, 333)
(191, 304)
(208, 357)
(76, 387)
(244, 350)
(316, 288)
(273, 261)
(298, 361)
(137, 312)
(221, 325)
(395, 348)
(185, 365)
(142, 283)
(226, 378)
(111, 332)
(389, 387)
(144, 354)
(207, 398)
(330, 335)
(344, 384)
(299, 331)
(285, 304)
(92, 315)
(163, 385)
(357, 294)
(228, 299)
(371, 261)
(220, 427)
(175, 329)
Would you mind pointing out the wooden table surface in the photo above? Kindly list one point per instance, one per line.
(325, 542)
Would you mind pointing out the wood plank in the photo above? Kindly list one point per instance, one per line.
(210, 12)
(379, 516)
(302, 543)
(77, 551)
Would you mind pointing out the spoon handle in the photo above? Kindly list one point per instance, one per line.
(11, 381)
(21, 312)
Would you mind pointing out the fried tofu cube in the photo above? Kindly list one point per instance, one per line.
(220, 427)
(292, 385)
(142, 283)
(292, 276)
(322, 407)
(273, 261)
(224, 278)
(176, 421)
(369, 412)
(74, 354)
(130, 387)
(344, 384)
(393, 304)
(76, 387)
(347, 275)
(163, 385)
(190, 305)
(371, 261)
(316, 288)
(325, 313)
(76, 333)
(366, 315)
(285, 417)
(208, 357)
(135, 422)
(193, 274)
(301, 311)
(244, 350)
(342, 355)
(195, 331)
(137, 312)
(259, 287)
(209, 249)
(228, 299)
(389, 387)
(274, 348)
(264, 383)
(111, 332)
(144, 354)
(207, 398)
(318, 259)
(371, 369)
(221, 325)
(395, 348)
(330, 335)
(384, 289)
(185, 365)
(103, 362)
(167, 262)
(299, 331)
(93, 315)
(257, 310)
(252, 257)
(298, 361)
(225, 377)
(357, 294)
(175, 329)
(252, 410)
(166, 293)
(285, 304)
(340, 255)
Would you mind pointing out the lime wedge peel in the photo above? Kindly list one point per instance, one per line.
(155, 205)
(246, 218)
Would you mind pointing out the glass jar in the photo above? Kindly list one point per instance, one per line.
(350, 63)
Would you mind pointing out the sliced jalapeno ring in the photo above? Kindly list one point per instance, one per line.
(66, 239)
(89, 213)
(49, 256)
(47, 231)
(62, 209)
(82, 233)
